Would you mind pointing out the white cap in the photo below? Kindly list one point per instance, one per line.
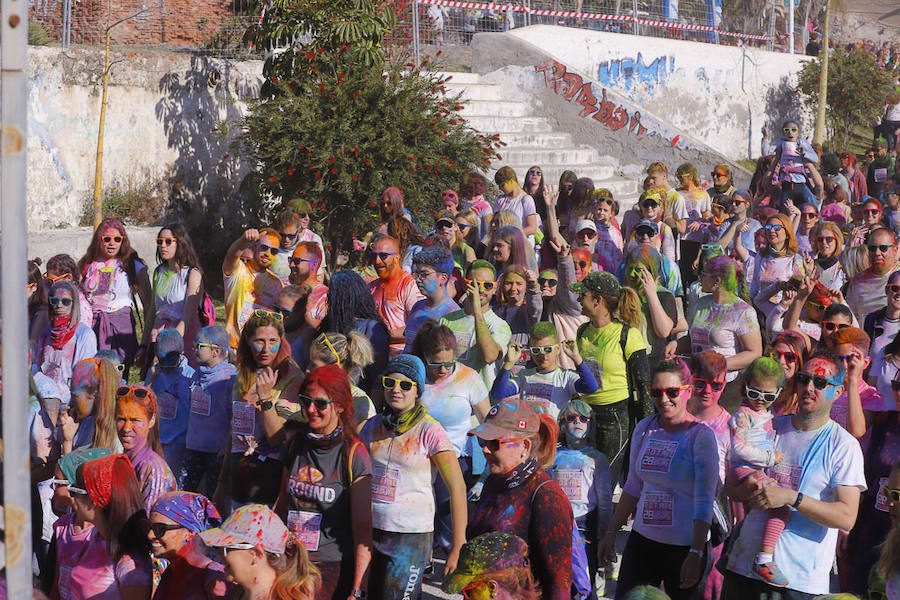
(586, 224)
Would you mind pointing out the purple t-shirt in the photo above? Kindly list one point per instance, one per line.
(211, 390)
(153, 473)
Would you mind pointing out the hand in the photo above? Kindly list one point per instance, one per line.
(513, 353)
(792, 210)
(560, 247)
(68, 426)
(690, 570)
(452, 560)
(250, 236)
(606, 549)
(474, 494)
(695, 225)
(787, 297)
(855, 366)
(265, 383)
(570, 349)
(809, 263)
(250, 441)
(836, 296)
(671, 348)
(473, 296)
(772, 496)
(648, 282)
(531, 279)
(779, 457)
(806, 287)
(551, 196)
(745, 225)
(765, 130)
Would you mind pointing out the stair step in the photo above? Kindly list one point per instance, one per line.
(492, 124)
(460, 77)
(490, 108)
(475, 91)
(544, 157)
(540, 140)
(552, 172)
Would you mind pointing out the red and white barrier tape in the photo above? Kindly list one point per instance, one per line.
(589, 16)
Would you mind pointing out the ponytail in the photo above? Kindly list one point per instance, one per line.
(545, 448)
(626, 307)
(296, 577)
(360, 354)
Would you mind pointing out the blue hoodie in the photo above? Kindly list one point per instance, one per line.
(210, 407)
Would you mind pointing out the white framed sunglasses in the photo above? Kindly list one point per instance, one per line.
(225, 549)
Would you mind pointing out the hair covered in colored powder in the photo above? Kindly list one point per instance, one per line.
(853, 336)
(544, 329)
(725, 269)
(708, 364)
(764, 369)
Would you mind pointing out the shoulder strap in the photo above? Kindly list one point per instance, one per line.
(539, 486)
(350, 459)
(623, 340)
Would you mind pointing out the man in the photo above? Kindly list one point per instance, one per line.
(646, 232)
(304, 263)
(249, 282)
(866, 289)
(481, 336)
(292, 224)
(608, 247)
(432, 268)
(395, 291)
(514, 199)
(741, 222)
(650, 207)
(855, 409)
(880, 169)
(586, 239)
(820, 477)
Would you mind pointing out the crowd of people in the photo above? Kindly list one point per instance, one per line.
(495, 397)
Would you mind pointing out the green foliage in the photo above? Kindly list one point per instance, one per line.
(857, 90)
(37, 35)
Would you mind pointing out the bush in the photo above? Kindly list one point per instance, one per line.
(37, 35)
(136, 200)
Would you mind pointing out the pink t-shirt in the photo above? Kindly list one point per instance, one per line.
(85, 570)
(608, 251)
(395, 300)
(871, 399)
(317, 304)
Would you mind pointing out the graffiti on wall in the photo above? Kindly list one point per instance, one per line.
(572, 87)
(625, 72)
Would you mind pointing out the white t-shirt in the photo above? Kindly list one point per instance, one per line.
(719, 327)
(522, 207)
(463, 327)
(816, 467)
(450, 402)
(889, 332)
(546, 392)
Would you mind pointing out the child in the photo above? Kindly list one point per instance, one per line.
(582, 472)
(210, 412)
(753, 448)
(170, 380)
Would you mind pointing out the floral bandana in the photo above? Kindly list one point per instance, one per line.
(193, 511)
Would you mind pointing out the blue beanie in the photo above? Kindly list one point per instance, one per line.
(169, 345)
(411, 366)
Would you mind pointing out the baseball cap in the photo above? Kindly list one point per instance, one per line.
(488, 553)
(509, 416)
(602, 282)
(585, 224)
(649, 224)
(253, 524)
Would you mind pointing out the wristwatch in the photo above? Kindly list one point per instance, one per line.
(265, 405)
(358, 593)
(797, 502)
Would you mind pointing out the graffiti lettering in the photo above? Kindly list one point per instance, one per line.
(624, 72)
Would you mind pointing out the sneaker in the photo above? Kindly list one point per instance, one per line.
(600, 583)
(771, 574)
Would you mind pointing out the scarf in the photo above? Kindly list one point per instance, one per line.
(193, 511)
(521, 473)
(827, 262)
(400, 424)
(61, 331)
(322, 441)
(718, 220)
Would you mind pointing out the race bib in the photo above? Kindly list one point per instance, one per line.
(384, 483)
(539, 393)
(880, 175)
(201, 402)
(463, 342)
(658, 455)
(787, 475)
(700, 337)
(243, 420)
(572, 484)
(658, 508)
(307, 526)
(594, 368)
(881, 499)
(167, 405)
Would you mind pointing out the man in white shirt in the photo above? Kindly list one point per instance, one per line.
(820, 477)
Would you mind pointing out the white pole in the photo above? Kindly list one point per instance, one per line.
(16, 458)
(791, 27)
(415, 9)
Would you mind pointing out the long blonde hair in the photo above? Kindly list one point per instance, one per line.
(626, 308)
(297, 578)
(352, 353)
(889, 559)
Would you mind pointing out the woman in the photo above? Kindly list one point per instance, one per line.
(450, 201)
(469, 226)
(827, 244)
(699, 209)
(790, 350)
(564, 203)
(614, 350)
(510, 248)
(90, 420)
(102, 550)
(352, 353)
(406, 444)
(854, 175)
(886, 570)
(409, 239)
(449, 235)
(725, 323)
(111, 274)
(642, 273)
(137, 425)
(38, 311)
(534, 187)
(326, 454)
(519, 300)
(66, 340)
(265, 394)
(175, 521)
(262, 556)
(809, 218)
(519, 496)
(390, 207)
(837, 316)
(671, 490)
(60, 267)
(177, 290)
(498, 220)
(694, 291)
(723, 180)
(580, 206)
(775, 265)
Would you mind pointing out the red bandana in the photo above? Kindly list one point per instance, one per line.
(61, 331)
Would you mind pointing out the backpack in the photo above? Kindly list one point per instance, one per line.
(206, 310)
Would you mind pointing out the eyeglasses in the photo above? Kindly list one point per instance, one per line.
(485, 285)
(389, 383)
(672, 392)
(441, 365)
(774, 227)
(570, 418)
(700, 384)
(880, 247)
(323, 339)
(825, 239)
(165, 241)
(296, 260)
(789, 357)
(111, 238)
(63, 277)
(136, 390)
(225, 549)
(444, 224)
(263, 248)
(892, 288)
(161, 529)
(870, 211)
(57, 301)
(494, 445)
(383, 256)
(199, 345)
(644, 232)
(810, 215)
(321, 403)
(581, 264)
(768, 397)
(542, 349)
(262, 313)
(790, 130)
(819, 382)
(547, 281)
(534, 172)
(650, 203)
(831, 325)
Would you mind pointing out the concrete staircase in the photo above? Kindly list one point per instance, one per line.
(532, 140)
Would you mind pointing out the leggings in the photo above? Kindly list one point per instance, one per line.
(398, 564)
(645, 562)
(611, 436)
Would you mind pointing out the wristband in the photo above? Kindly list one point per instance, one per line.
(695, 551)
(358, 593)
(797, 502)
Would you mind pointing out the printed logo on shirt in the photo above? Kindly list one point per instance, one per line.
(572, 484)
(167, 405)
(787, 475)
(303, 483)
(307, 526)
(658, 509)
(538, 392)
(658, 455)
(384, 483)
(881, 500)
(463, 343)
(201, 402)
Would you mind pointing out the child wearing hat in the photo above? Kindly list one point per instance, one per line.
(170, 380)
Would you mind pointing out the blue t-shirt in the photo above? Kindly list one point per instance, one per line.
(420, 313)
(210, 407)
(172, 387)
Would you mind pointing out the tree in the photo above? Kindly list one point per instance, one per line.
(856, 92)
(336, 123)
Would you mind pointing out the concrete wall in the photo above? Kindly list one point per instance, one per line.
(161, 122)
(722, 95)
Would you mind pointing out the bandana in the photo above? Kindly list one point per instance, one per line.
(827, 262)
(61, 331)
(69, 463)
(522, 473)
(399, 425)
(321, 441)
(98, 477)
(193, 511)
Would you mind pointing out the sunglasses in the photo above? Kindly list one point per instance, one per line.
(722, 206)
(444, 224)
(511, 179)
(831, 325)
(672, 392)
(823, 239)
(587, 233)
(383, 256)
(261, 312)
(199, 345)
(464, 225)
(534, 172)
(161, 529)
(649, 203)
(263, 248)
(846, 357)
(870, 211)
(644, 232)
(225, 549)
(288, 236)
(810, 215)
(137, 391)
(547, 281)
(774, 227)
(295, 261)
(63, 277)
(570, 418)
(717, 174)
(485, 285)
(321, 403)
(57, 301)
(790, 130)
(789, 357)
(165, 241)
(567, 187)
(581, 264)
(767, 397)
(700, 384)
(819, 382)
(390, 383)
(323, 339)
(441, 365)
(739, 200)
(77, 490)
(892, 288)
(812, 304)
(604, 200)
(880, 247)
(111, 238)
(542, 349)
(494, 445)
(55, 483)
(449, 196)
